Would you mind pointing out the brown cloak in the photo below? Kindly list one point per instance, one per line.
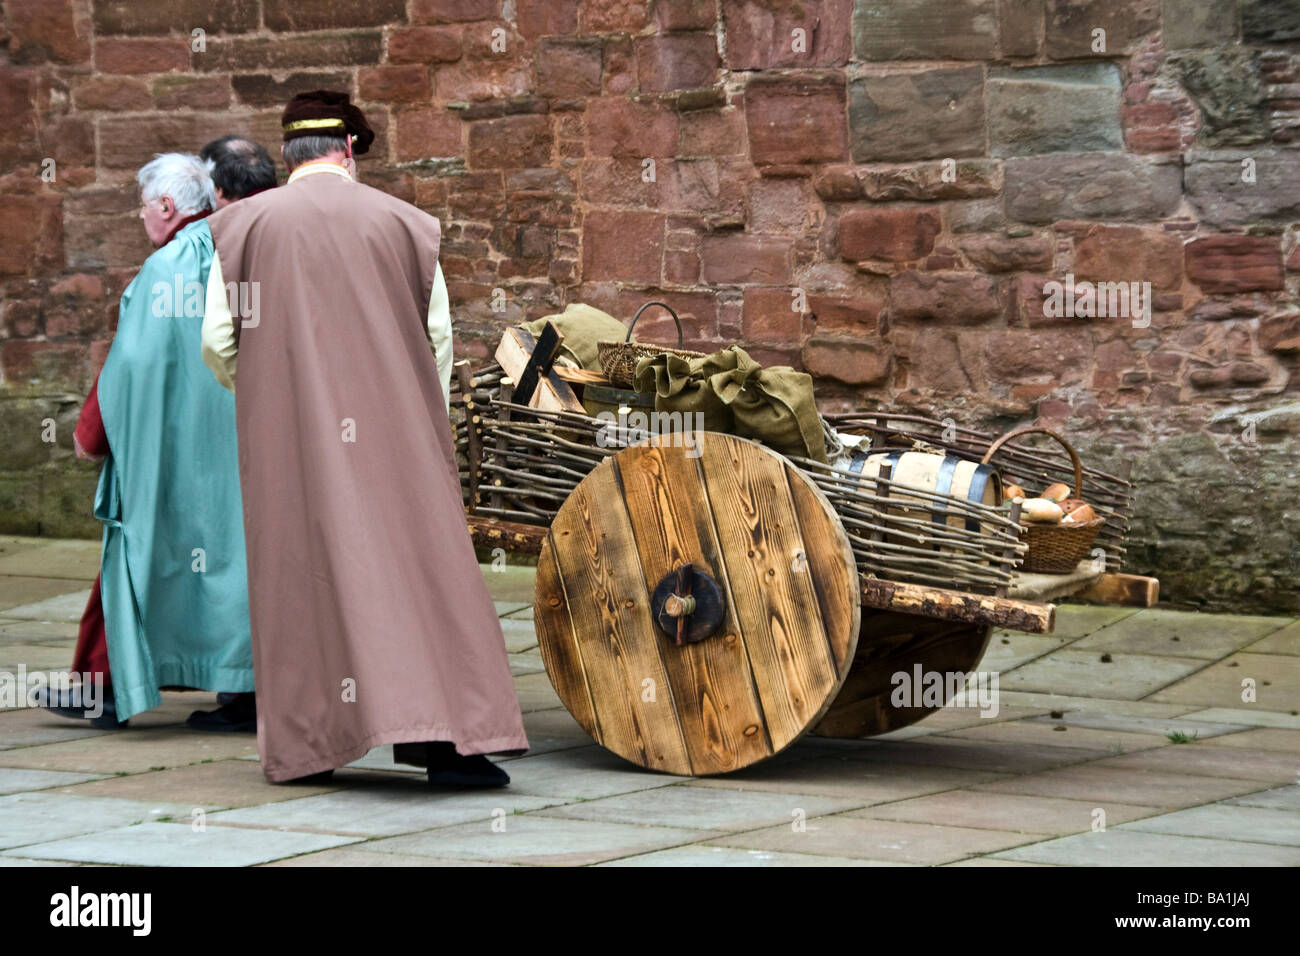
(371, 621)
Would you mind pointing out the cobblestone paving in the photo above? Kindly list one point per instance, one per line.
(1082, 765)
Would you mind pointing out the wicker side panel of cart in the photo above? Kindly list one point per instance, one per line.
(529, 461)
(1033, 469)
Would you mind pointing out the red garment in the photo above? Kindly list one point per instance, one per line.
(91, 655)
(90, 426)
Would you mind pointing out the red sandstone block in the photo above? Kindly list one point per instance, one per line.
(21, 219)
(852, 361)
(142, 54)
(568, 68)
(1280, 333)
(552, 18)
(761, 35)
(112, 93)
(395, 84)
(425, 133)
(1130, 254)
(510, 142)
(737, 258)
(23, 360)
(685, 14)
(291, 15)
(768, 316)
(454, 11)
(895, 235)
(678, 61)
(620, 127)
(613, 16)
(859, 314)
(1234, 263)
(425, 45)
(961, 297)
(627, 246)
(191, 92)
(155, 17)
(46, 30)
(795, 120)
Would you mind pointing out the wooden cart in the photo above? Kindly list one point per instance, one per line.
(700, 606)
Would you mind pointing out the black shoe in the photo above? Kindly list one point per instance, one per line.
(69, 704)
(322, 777)
(223, 699)
(448, 768)
(238, 716)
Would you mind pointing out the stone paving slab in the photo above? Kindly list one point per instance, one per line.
(581, 773)
(1074, 621)
(512, 607)
(854, 835)
(28, 727)
(1207, 761)
(133, 751)
(990, 861)
(955, 718)
(20, 781)
(219, 785)
(1135, 848)
(349, 856)
(43, 599)
(62, 633)
(703, 854)
(961, 754)
(75, 560)
(853, 779)
(390, 808)
(1127, 676)
(536, 693)
(1045, 703)
(35, 657)
(1266, 738)
(27, 818)
(21, 861)
(1015, 813)
(520, 635)
(1056, 733)
(1159, 727)
(1009, 649)
(1223, 821)
(1180, 634)
(1284, 641)
(1244, 718)
(1136, 787)
(538, 840)
(696, 808)
(1276, 676)
(178, 844)
(1283, 798)
(511, 583)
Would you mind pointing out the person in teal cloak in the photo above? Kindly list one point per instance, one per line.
(172, 577)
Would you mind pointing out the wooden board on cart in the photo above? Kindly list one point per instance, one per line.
(760, 528)
(552, 393)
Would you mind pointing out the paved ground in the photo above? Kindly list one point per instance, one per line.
(1075, 738)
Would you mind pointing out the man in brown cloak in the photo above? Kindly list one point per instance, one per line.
(371, 621)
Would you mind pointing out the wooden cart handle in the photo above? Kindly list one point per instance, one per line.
(1074, 455)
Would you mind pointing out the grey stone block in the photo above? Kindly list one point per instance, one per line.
(1054, 109)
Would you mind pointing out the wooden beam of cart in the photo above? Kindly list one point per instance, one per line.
(948, 605)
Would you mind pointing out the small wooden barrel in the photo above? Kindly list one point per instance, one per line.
(772, 587)
(942, 474)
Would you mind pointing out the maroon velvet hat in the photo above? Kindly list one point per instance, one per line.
(326, 113)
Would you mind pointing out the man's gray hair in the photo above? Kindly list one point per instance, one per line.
(182, 176)
(306, 148)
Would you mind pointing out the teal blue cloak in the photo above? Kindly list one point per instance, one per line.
(175, 588)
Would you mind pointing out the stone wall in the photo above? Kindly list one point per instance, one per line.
(875, 192)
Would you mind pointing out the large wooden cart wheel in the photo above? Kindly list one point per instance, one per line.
(713, 667)
(901, 644)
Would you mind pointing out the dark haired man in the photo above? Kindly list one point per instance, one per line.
(239, 168)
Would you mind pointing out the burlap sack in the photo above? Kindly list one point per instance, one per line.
(679, 386)
(582, 326)
(736, 394)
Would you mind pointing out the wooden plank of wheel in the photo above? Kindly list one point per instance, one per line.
(762, 538)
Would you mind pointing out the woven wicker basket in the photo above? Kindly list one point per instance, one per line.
(1054, 548)
(619, 359)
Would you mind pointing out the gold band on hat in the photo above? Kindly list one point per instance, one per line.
(314, 124)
